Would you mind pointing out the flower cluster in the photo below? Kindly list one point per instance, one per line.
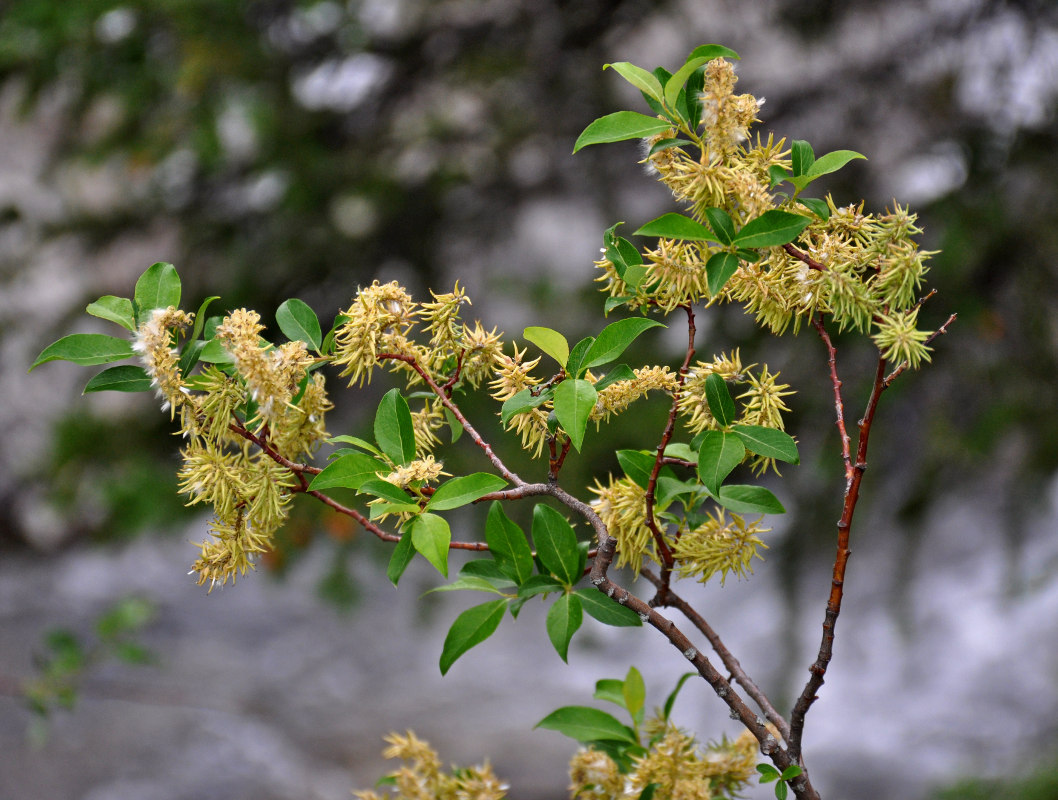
(421, 776)
(675, 763)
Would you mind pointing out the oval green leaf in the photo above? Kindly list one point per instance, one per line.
(668, 144)
(802, 157)
(574, 401)
(721, 224)
(399, 560)
(711, 51)
(523, 401)
(674, 84)
(620, 126)
(508, 544)
(771, 229)
(637, 465)
(114, 309)
(587, 724)
(614, 340)
(376, 487)
(556, 544)
(638, 77)
(430, 535)
(635, 691)
(461, 491)
(832, 162)
(768, 442)
(299, 322)
(394, 431)
(85, 349)
(472, 627)
(574, 364)
(563, 619)
(350, 471)
(720, 453)
(721, 404)
(718, 271)
(749, 500)
(606, 610)
(677, 226)
(126, 378)
(550, 341)
(157, 287)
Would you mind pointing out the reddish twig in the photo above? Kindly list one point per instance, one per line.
(804, 257)
(666, 436)
(837, 584)
(839, 405)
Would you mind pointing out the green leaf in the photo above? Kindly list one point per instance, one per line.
(679, 78)
(670, 701)
(574, 401)
(193, 349)
(126, 378)
(768, 442)
(563, 619)
(718, 271)
(299, 322)
(157, 287)
(771, 229)
(431, 536)
(816, 206)
(350, 471)
(790, 772)
(622, 372)
(472, 583)
(681, 450)
(486, 569)
(719, 454)
(454, 425)
(677, 226)
(85, 349)
(614, 340)
(802, 156)
(648, 791)
(666, 144)
(777, 175)
(472, 627)
(638, 77)
(614, 302)
(671, 488)
(586, 724)
(556, 544)
(637, 465)
(114, 309)
(355, 441)
(457, 492)
(721, 224)
(215, 353)
(550, 341)
(768, 773)
(781, 791)
(635, 691)
(574, 366)
(521, 402)
(401, 557)
(832, 162)
(508, 544)
(376, 487)
(606, 610)
(611, 690)
(711, 51)
(394, 430)
(749, 500)
(620, 126)
(539, 584)
(721, 404)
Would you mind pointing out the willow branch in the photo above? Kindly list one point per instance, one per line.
(738, 674)
(839, 405)
(804, 257)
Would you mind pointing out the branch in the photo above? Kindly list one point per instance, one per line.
(852, 494)
(943, 329)
(471, 431)
(839, 405)
(738, 674)
(804, 257)
(666, 437)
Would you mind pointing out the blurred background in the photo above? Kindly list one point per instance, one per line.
(282, 149)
